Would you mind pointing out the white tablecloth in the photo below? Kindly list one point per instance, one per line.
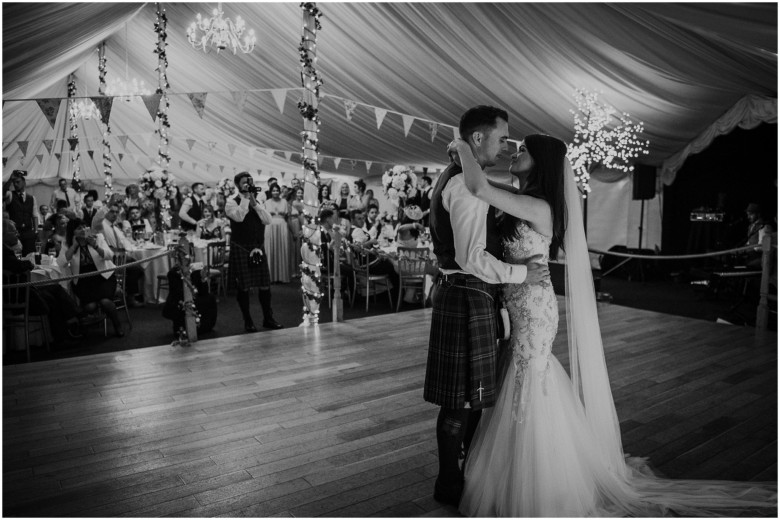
(152, 268)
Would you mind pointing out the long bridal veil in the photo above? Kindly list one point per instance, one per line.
(628, 485)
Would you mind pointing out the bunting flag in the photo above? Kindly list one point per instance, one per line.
(190, 143)
(121, 156)
(434, 128)
(455, 132)
(198, 101)
(5, 160)
(280, 94)
(47, 143)
(239, 98)
(74, 142)
(408, 120)
(353, 163)
(123, 140)
(336, 162)
(232, 149)
(287, 155)
(91, 154)
(212, 145)
(23, 146)
(49, 107)
(368, 165)
(259, 172)
(380, 116)
(181, 165)
(40, 158)
(103, 104)
(57, 155)
(152, 103)
(350, 107)
(221, 168)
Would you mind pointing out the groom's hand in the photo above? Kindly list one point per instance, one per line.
(537, 273)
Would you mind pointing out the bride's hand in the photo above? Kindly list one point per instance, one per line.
(457, 147)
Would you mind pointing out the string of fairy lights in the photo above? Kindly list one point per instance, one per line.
(74, 130)
(311, 264)
(108, 181)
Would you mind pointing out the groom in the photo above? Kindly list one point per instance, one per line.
(461, 374)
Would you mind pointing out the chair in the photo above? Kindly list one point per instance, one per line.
(120, 296)
(328, 263)
(216, 261)
(361, 264)
(162, 279)
(412, 266)
(16, 309)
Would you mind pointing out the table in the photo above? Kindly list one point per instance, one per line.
(152, 268)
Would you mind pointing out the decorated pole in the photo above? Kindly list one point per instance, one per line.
(163, 159)
(73, 140)
(311, 265)
(105, 110)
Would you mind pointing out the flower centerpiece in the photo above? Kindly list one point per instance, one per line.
(399, 184)
(158, 185)
(226, 187)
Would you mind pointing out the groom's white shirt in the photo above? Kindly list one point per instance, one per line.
(468, 216)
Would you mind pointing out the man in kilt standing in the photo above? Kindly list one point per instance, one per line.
(461, 373)
(248, 263)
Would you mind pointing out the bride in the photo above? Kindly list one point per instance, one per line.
(551, 445)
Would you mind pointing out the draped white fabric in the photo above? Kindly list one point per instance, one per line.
(677, 67)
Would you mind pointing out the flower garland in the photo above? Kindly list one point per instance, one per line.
(183, 259)
(311, 276)
(163, 158)
(108, 178)
(399, 183)
(74, 131)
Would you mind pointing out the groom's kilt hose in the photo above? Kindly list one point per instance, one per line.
(246, 273)
(462, 354)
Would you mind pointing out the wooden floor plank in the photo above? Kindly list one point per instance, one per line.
(331, 422)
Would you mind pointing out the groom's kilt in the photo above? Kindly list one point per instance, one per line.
(243, 271)
(462, 353)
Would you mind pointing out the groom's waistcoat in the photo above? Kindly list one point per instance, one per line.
(442, 234)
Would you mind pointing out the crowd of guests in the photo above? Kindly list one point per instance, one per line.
(78, 229)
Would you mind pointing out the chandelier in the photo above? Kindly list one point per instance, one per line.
(221, 33)
(125, 90)
(84, 109)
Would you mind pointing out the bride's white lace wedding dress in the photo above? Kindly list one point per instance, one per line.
(536, 453)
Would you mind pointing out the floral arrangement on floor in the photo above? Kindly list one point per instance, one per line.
(399, 183)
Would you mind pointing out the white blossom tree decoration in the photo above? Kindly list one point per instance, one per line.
(603, 137)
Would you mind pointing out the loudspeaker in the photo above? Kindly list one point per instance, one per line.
(644, 182)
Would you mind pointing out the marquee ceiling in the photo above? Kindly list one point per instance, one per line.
(677, 67)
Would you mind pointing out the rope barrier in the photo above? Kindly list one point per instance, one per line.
(53, 281)
(676, 257)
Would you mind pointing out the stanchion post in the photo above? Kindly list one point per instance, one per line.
(338, 304)
(762, 313)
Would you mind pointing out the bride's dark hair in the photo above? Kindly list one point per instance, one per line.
(545, 181)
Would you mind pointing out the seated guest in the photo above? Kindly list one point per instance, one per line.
(360, 238)
(115, 237)
(408, 231)
(89, 210)
(328, 255)
(57, 225)
(133, 198)
(135, 223)
(205, 302)
(373, 222)
(210, 227)
(89, 253)
(49, 300)
(45, 211)
(96, 198)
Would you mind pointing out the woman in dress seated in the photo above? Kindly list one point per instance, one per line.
(408, 231)
(210, 227)
(88, 253)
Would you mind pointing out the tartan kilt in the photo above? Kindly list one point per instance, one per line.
(243, 271)
(462, 351)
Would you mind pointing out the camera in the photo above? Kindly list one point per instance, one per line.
(251, 188)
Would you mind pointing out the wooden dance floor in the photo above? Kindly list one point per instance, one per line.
(331, 421)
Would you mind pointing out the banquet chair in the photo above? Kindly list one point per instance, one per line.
(328, 263)
(361, 265)
(16, 309)
(120, 296)
(216, 260)
(412, 269)
(162, 279)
